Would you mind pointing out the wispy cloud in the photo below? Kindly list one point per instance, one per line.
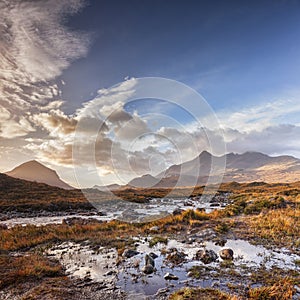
(259, 117)
(35, 47)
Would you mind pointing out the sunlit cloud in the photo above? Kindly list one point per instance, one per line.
(35, 48)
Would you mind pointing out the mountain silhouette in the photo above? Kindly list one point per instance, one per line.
(35, 171)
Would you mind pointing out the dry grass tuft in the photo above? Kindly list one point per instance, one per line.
(282, 290)
(282, 225)
(24, 268)
(201, 293)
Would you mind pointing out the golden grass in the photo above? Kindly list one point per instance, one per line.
(277, 225)
(30, 267)
(282, 290)
(105, 234)
(29, 236)
(267, 220)
(201, 293)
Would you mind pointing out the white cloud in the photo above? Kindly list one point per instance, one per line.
(55, 122)
(56, 152)
(278, 139)
(41, 46)
(127, 146)
(108, 100)
(35, 47)
(260, 117)
(11, 127)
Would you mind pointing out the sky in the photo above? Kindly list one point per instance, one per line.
(72, 82)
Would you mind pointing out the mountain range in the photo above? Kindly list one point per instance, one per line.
(246, 167)
(35, 171)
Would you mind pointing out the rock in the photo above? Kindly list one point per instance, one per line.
(189, 274)
(206, 256)
(177, 211)
(205, 234)
(176, 257)
(226, 254)
(154, 229)
(190, 240)
(193, 231)
(220, 242)
(214, 200)
(153, 255)
(200, 209)
(162, 293)
(149, 260)
(129, 253)
(80, 221)
(110, 273)
(148, 269)
(170, 276)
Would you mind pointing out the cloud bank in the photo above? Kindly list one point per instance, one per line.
(36, 47)
(127, 145)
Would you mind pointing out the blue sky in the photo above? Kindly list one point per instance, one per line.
(68, 66)
(232, 52)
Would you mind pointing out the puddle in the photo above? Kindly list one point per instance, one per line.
(84, 262)
(100, 266)
(254, 256)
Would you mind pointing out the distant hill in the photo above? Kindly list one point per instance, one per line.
(35, 171)
(144, 181)
(255, 166)
(246, 167)
(27, 197)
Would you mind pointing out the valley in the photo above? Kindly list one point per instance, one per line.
(75, 250)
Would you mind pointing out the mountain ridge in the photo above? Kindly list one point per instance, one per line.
(245, 167)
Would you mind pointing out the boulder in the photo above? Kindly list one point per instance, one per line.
(176, 257)
(220, 242)
(177, 211)
(129, 253)
(207, 234)
(149, 260)
(153, 255)
(170, 276)
(226, 254)
(206, 256)
(148, 269)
